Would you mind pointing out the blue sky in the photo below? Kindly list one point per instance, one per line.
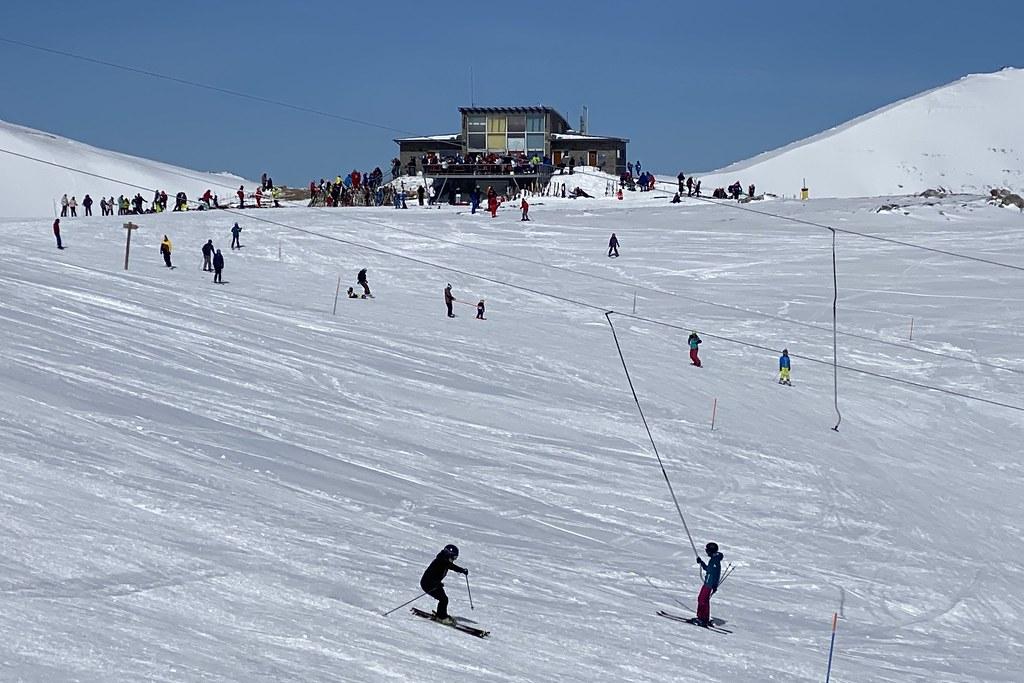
(692, 86)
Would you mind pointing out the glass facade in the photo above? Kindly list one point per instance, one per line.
(506, 133)
(476, 129)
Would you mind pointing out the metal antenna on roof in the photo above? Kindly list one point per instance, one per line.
(472, 99)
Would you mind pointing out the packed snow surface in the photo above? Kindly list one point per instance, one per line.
(32, 189)
(206, 482)
(965, 136)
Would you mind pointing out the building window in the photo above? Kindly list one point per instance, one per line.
(535, 123)
(516, 142)
(517, 123)
(535, 142)
(476, 123)
(477, 142)
(496, 124)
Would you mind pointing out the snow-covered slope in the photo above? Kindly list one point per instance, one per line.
(228, 483)
(32, 189)
(965, 136)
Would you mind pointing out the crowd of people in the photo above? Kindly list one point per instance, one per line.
(129, 206)
(474, 163)
(354, 189)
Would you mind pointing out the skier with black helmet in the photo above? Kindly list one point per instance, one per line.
(712, 576)
(432, 581)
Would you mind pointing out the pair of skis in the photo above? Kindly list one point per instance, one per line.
(715, 625)
(455, 624)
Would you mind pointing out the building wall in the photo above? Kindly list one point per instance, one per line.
(614, 153)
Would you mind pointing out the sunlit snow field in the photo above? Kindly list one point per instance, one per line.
(229, 483)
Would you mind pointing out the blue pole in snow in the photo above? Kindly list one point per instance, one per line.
(831, 647)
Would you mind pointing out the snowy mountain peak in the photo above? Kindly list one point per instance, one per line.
(964, 136)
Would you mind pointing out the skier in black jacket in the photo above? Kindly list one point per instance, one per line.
(432, 581)
(208, 250)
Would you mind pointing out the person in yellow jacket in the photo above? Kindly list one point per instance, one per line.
(165, 251)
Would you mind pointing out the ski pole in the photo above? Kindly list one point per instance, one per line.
(831, 647)
(404, 604)
(469, 592)
(725, 575)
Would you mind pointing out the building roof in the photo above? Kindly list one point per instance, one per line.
(446, 137)
(581, 136)
(538, 109)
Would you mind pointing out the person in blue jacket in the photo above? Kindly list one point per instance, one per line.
(712, 575)
(784, 368)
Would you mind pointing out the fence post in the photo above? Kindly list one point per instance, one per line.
(336, 291)
(714, 413)
(911, 328)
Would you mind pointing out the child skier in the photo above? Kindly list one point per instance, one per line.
(432, 581)
(480, 310)
(613, 246)
(712, 574)
(784, 368)
(694, 341)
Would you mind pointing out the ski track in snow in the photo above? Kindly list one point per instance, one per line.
(229, 483)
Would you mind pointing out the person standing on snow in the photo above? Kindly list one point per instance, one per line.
(712, 575)
(87, 203)
(56, 232)
(218, 266)
(480, 310)
(694, 341)
(207, 255)
(525, 207)
(613, 246)
(474, 200)
(492, 201)
(241, 196)
(235, 232)
(448, 299)
(73, 205)
(432, 581)
(165, 251)
(361, 280)
(784, 368)
(64, 206)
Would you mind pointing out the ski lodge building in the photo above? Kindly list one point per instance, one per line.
(499, 147)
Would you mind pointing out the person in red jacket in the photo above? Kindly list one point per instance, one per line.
(525, 206)
(241, 196)
(492, 201)
(56, 232)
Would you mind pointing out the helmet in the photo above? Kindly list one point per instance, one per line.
(786, 351)
(711, 548)
(451, 551)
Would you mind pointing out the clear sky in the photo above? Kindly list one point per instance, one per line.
(694, 86)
